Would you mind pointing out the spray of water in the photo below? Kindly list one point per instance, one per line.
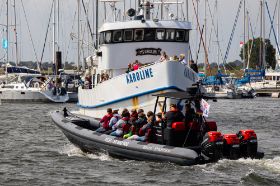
(72, 150)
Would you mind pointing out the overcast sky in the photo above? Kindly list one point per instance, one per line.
(38, 12)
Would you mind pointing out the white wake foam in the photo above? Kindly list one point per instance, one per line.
(72, 150)
(272, 165)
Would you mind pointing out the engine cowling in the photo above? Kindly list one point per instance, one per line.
(212, 145)
(231, 146)
(248, 143)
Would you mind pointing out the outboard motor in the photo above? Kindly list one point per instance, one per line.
(212, 145)
(248, 143)
(231, 146)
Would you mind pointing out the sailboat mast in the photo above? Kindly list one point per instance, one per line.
(16, 39)
(217, 28)
(244, 35)
(7, 33)
(263, 37)
(54, 36)
(248, 38)
(205, 35)
(79, 12)
(96, 24)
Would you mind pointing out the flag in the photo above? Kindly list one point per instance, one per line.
(4, 43)
(241, 44)
(205, 107)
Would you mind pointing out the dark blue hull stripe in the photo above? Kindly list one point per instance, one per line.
(129, 97)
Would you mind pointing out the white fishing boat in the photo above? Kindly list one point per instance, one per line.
(123, 42)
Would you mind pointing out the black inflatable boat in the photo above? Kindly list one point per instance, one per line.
(167, 145)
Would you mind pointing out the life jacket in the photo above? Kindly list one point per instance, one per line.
(106, 119)
(126, 126)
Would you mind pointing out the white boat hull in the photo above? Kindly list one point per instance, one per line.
(135, 89)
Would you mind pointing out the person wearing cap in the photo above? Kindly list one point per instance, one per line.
(173, 115)
(182, 59)
(105, 121)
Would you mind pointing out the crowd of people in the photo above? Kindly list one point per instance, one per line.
(164, 57)
(138, 125)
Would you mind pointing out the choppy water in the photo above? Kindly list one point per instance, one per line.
(34, 151)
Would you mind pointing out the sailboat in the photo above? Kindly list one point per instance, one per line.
(24, 84)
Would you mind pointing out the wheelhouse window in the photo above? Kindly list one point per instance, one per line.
(117, 36)
(187, 36)
(169, 36)
(128, 35)
(160, 34)
(180, 35)
(107, 37)
(268, 77)
(139, 35)
(149, 34)
(101, 38)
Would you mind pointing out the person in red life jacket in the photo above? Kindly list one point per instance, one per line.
(134, 114)
(145, 132)
(116, 117)
(105, 121)
(118, 128)
(132, 129)
(136, 65)
(173, 115)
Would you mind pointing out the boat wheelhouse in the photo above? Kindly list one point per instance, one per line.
(122, 43)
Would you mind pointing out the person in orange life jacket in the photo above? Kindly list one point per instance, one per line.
(134, 113)
(105, 121)
(118, 127)
(173, 115)
(144, 132)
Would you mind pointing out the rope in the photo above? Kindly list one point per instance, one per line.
(233, 30)
(38, 66)
(43, 51)
(72, 28)
(205, 49)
